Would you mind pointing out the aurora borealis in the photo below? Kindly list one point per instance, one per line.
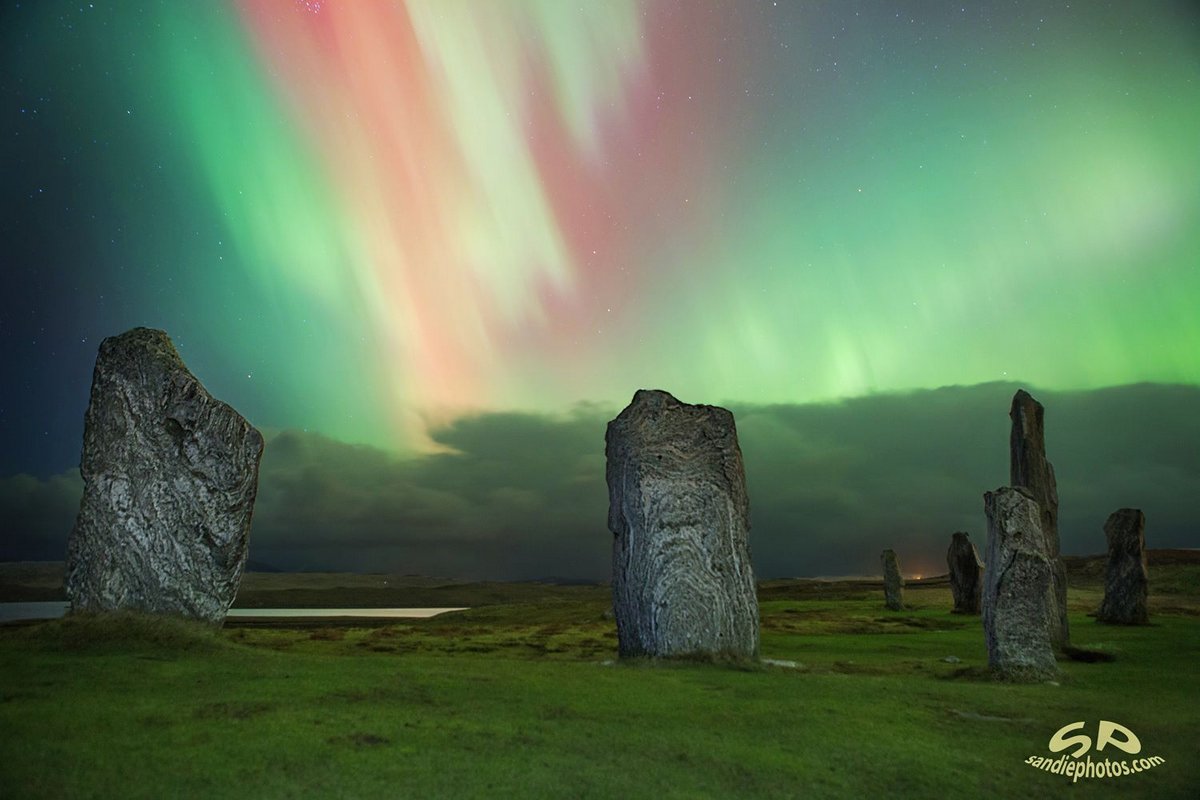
(366, 220)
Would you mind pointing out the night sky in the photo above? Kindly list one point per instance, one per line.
(431, 247)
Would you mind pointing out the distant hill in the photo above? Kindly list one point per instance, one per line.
(1172, 572)
(1155, 558)
(31, 581)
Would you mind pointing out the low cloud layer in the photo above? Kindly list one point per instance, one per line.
(523, 495)
(36, 515)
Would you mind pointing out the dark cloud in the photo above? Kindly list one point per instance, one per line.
(519, 496)
(831, 485)
(36, 515)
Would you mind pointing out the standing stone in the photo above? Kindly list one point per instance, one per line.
(1126, 579)
(1019, 610)
(966, 574)
(682, 579)
(893, 581)
(169, 480)
(1028, 467)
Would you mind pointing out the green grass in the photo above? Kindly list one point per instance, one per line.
(522, 699)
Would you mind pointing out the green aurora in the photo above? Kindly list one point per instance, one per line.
(743, 205)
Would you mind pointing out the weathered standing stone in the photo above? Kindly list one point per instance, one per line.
(169, 480)
(893, 581)
(966, 574)
(1126, 579)
(682, 579)
(1019, 609)
(1028, 467)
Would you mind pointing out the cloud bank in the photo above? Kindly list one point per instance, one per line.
(523, 495)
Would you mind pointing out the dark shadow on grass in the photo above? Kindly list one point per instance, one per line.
(1086, 655)
(359, 740)
(233, 710)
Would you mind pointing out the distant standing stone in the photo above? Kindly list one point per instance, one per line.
(1029, 467)
(1126, 578)
(682, 579)
(169, 480)
(966, 574)
(1019, 609)
(893, 581)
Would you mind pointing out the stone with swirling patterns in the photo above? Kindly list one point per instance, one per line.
(683, 584)
(170, 476)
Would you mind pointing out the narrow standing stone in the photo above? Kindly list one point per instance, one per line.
(1028, 467)
(1019, 608)
(966, 574)
(682, 579)
(1126, 578)
(169, 481)
(893, 581)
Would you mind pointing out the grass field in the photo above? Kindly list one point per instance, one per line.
(522, 698)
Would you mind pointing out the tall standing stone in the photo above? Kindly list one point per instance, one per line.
(966, 574)
(682, 579)
(1028, 467)
(893, 581)
(169, 480)
(1126, 579)
(1019, 609)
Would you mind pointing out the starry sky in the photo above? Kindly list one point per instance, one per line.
(377, 227)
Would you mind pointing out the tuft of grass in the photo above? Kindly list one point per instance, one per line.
(729, 661)
(124, 632)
